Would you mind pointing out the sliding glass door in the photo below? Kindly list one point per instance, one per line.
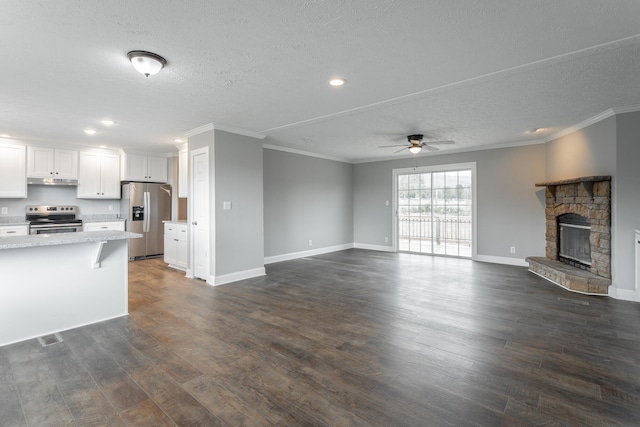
(435, 211)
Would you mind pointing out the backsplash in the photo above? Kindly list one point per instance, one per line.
(51, 195)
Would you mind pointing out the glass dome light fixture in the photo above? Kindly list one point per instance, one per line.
(146, 63)
(415, 149)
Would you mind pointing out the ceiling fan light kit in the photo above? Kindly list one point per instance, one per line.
(416, 144)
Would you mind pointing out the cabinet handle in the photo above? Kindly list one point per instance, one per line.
(104, 228)
(11, 232)
(50, 173)
(56, 173)
(175, 240)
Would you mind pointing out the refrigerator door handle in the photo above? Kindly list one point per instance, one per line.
(147, 204)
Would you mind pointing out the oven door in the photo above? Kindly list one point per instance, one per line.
(54, 228)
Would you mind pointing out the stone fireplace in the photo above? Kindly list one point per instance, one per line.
(578, 234)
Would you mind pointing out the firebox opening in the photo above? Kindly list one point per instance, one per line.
(574, 247)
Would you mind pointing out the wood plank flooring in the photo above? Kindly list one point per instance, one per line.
(352, 338)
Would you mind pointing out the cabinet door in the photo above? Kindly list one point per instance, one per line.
(181, 252)
(40, 162)
(170, 247)
(157, 169)
(110, 176)
(13, 171)
(100, 226)
(89, 183)
(135, 168)
(66, 164)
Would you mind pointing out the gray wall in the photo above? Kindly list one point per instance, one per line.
(626, 195)
(587, 152)
(510, 209)
(306, 198)
(239, 232)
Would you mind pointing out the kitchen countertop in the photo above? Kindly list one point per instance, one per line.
(13, 220)
(15, 242)
(182, 221)
(90, 220)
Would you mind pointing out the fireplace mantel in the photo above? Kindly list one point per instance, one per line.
(585, 181)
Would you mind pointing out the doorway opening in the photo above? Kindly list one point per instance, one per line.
(435, 210)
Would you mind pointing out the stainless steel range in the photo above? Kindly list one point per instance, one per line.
(53, 219)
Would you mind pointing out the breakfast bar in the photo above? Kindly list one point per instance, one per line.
(51, 283)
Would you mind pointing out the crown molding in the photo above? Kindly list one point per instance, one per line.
(211, 126)
(199, 130)
(593, 120)
(239, 131)
(304, 153)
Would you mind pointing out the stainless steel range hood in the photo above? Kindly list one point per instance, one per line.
(52, 181)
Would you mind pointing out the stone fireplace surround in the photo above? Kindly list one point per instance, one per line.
(590, 197)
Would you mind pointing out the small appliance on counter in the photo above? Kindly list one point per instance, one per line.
(49, 219)
(144, 206)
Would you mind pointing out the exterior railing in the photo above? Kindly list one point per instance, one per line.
(439, 229)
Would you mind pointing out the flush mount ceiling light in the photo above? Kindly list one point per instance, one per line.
(146, 63)
(337, 81)
(5, 135)
(108, 122)
(90, 131)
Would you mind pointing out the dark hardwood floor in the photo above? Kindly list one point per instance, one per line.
(349, 338)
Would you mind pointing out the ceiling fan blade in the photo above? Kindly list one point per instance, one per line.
(396, 145)
(429, 148)
(402, 149)
(441, 142)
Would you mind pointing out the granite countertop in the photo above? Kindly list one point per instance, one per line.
(90, 220)
(182, 221)
(100, 218)
(15, 242)
(13, 220)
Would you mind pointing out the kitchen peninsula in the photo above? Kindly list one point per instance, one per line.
(51, 283)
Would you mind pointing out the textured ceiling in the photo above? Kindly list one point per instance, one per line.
(481, 73)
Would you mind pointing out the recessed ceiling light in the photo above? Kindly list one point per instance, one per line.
(5, 135)
(102, 146)
(90, 131)
(337, 81)
(108, 122)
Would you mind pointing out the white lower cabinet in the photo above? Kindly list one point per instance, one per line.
(107, 225)
(14, 230)
(175, 245)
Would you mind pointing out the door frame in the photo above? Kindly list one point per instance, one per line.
(437, 168)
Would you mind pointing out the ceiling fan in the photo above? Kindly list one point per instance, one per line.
(416, 144)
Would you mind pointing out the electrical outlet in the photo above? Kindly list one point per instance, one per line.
(386, 203)
(310, 242)
(4, 210)
(386, 240)
(513, 249)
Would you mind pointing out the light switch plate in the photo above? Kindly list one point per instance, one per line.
(4, 210)
(226, 206)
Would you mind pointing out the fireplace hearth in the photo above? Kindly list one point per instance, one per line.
(578, 234)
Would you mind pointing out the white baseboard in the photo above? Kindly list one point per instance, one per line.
(624, 294)
(502, 260)
(368, 247)
(234, 277)
(303, 254)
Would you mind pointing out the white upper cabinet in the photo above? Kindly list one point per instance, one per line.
(99, 176)
(45, 162)
(144, 168)
(13, 174)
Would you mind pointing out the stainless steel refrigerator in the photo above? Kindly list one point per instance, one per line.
(145, 206)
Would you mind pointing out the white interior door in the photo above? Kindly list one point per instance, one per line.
(201, 255)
